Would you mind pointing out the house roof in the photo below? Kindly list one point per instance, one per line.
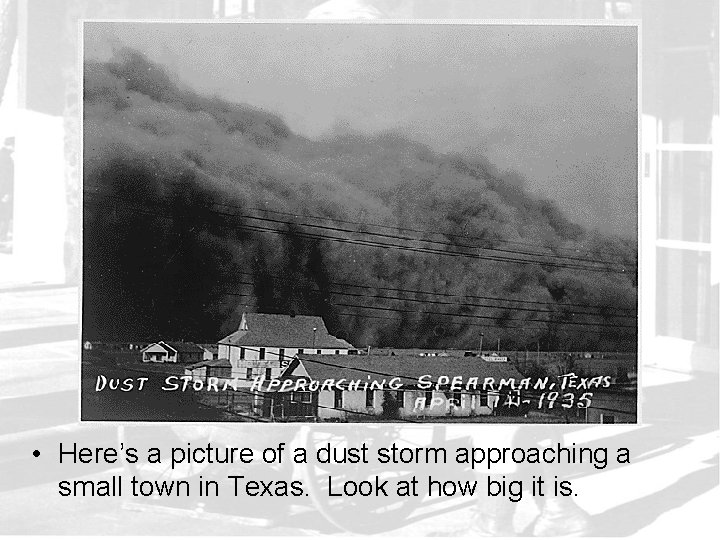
(156, 344)
(217, 362)
(176, 346)
(295, 332)
(407, 366)
(184, 346)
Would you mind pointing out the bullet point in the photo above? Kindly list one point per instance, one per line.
(36, 453)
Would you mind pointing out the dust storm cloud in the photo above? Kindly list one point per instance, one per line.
(198, 208)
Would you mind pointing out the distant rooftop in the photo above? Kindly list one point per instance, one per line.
(182, 346)
(286, 331)
(407, 366)
(218, 362)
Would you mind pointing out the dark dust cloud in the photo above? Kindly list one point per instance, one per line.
(173, 179)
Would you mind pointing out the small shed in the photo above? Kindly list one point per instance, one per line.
(220, 368)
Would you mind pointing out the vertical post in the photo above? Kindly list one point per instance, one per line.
(220, 7)
(481, 342)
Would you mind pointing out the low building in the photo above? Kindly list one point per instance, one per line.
(395, 387)
(211, 351)
(264, 344)
(178, 352)
(218, 368)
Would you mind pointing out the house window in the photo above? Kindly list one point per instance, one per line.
(319, 351)
(301, 397)
(337, 351)
(369, 398)
(428, 398)
(249, 373)
(262, 353)
(483, 399)
(607, 419)
(268, 373)
(338, 399)
(400, 398)
(281, 355)
(301, 351)
(457, 399)
(242, 353)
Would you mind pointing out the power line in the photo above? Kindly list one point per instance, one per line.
(450, 235)
(629, 312)
(495, 327)
(421, 231)
(446, 234)
(435, 313)
(411, 239)
(369, 243)
(469, 316)
(606, 311)
(383, 235)
(543, 323)
(437, 302)
(430, 313)
(432, 251)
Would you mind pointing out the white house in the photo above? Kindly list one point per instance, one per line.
(400, 386)
(265, 343)
(178, 352)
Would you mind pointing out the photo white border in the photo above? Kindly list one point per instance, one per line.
(645, 329)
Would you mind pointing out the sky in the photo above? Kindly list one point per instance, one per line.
(556, 104)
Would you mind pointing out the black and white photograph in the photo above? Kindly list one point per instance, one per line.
(409, 268)
(360, 222)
